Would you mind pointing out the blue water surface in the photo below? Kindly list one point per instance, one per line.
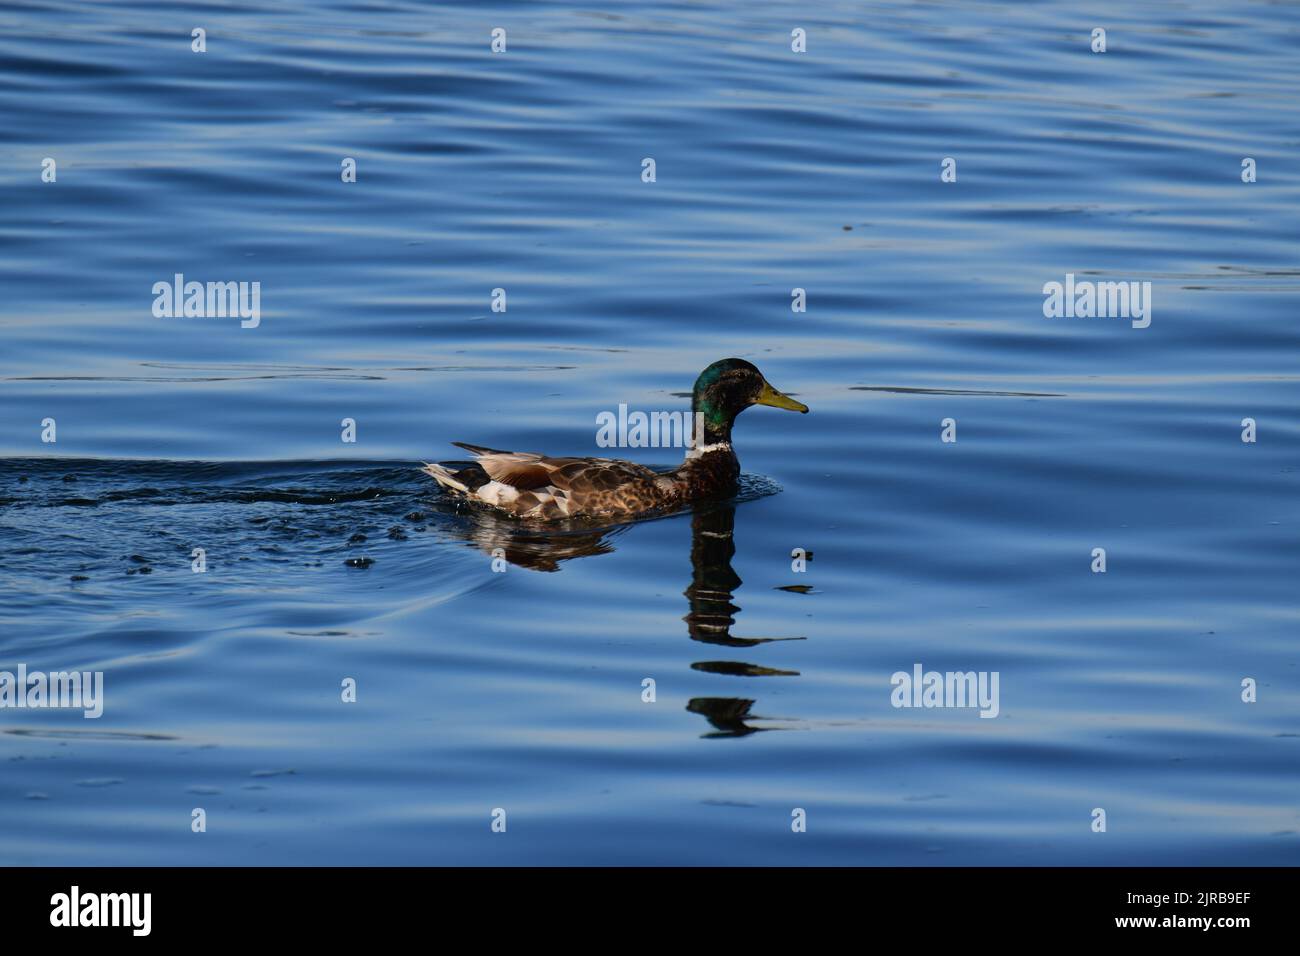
(522, 690)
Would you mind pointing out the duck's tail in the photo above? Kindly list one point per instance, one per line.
(445, 478)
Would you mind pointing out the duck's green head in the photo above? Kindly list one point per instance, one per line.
(728, 387)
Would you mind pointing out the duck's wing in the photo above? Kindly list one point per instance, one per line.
(579, 476)
(522, 470)
(484, 450)
(527, 470)
(533, 485)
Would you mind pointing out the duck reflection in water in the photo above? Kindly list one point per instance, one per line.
(712, 614)
(709, 595)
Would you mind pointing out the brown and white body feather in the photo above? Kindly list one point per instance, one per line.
(531, 485)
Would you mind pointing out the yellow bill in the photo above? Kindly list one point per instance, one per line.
(770, 396)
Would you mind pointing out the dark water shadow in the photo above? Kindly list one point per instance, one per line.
(908, 390)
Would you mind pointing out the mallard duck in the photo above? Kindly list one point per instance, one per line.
(529, 485)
